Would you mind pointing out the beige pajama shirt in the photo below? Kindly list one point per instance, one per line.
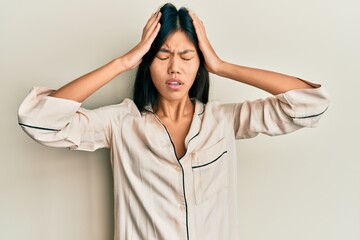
(157, 195)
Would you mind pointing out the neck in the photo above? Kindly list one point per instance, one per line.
(174, 110)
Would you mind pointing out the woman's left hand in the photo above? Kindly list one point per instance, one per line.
(272, 82)
(212, 61)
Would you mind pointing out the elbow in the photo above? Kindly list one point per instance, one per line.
(306, 107)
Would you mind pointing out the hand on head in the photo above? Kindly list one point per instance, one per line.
(212, 61)
(133, 58)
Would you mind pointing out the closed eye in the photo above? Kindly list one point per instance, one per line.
(187, 55)
(162, 58)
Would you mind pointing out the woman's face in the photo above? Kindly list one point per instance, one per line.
(174, 69)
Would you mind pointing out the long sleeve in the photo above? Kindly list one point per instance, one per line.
(60, 122)
(278, 114)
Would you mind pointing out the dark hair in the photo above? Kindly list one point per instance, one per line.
(171, 20)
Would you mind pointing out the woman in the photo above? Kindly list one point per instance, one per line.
(173, 153)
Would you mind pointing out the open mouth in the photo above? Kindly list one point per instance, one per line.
(174, 83)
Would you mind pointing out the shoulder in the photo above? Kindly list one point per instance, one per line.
(126, 108)
(215, 107)
(215, 110)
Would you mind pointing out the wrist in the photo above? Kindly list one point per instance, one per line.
(218, 68)
(119, 65)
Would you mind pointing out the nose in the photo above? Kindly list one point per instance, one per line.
(174, 65)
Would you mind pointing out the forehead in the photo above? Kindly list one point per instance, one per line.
(178, 41)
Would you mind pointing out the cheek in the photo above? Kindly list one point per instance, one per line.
(154, 71)
(195, 66)
(193, 70)
(157, 75)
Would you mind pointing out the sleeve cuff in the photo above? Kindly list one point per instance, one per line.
(305, 106)
(42, 111)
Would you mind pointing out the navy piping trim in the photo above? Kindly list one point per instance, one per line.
(203, 165)
(315, 115)
(183, 180)
(202, 110)
(40, 128)
(192, 139)
(182, 173)
(185, 201)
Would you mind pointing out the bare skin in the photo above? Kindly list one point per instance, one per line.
(272, 82)
(82, 87)
(176, 60)
(178, 126)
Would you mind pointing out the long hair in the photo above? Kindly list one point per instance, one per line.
(171, 20)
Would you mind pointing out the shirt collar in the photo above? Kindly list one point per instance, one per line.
(199, 107)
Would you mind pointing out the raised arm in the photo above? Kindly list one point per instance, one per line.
(272, 82)
(82, 87)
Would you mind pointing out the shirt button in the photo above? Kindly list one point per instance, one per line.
(177, 168)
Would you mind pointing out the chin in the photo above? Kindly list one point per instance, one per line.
(175, 96)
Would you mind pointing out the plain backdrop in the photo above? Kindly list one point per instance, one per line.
(301, 186)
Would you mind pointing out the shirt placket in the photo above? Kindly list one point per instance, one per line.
(181, 167)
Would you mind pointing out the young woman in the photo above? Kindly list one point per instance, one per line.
(173, 153)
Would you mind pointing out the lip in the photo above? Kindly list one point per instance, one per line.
(174, 83)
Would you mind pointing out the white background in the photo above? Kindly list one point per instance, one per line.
(302, 186)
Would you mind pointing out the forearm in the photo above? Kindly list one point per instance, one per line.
(82, 87)
(272, 82)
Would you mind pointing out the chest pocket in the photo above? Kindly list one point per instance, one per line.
(211, 171)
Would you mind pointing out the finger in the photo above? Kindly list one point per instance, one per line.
(157, 10)
(146, 42)
(151, 26)
(155, 17)
(198, 24)
(154, 33)
(193, 15)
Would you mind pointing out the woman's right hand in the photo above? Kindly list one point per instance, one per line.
(82, 87)
(134, 57)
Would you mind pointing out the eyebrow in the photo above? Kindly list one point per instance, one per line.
(165, 50)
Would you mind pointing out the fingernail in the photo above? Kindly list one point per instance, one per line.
(156, 11)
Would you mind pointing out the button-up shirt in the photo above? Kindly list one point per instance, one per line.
(157, 195)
